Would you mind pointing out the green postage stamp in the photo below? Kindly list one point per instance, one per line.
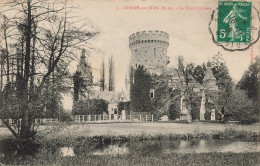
(234, 21)
(235, 25)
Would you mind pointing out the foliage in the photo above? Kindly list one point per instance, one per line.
(199, 73)
(221, 73)
(93, 106)
(102, 77)
(250, 81)
(98, 106)
(185, 84)
(174, 109)
(195, 106)
(224, 83)
(111, 80)
(39, 42)
(241, 108)
(141, 83)
(81, 86)
(65, 116)
(123, 106)
(160, 103)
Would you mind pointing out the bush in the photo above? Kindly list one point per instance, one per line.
(65, 117)
(241, 108)
(93, 106)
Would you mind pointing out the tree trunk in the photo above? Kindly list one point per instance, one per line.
(7, 56)
(25, 133)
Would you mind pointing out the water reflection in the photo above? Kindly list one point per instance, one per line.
(116, 149)
(145, 148)
(180, 146)
(207, 146)
(67, 152)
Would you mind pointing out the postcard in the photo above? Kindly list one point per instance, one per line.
(129, 82)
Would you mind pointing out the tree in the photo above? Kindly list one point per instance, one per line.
(111, 81)
(141, 83)
(123, 106)
(174, 85)
(241, 108)
(250, 80)
(185, 84)
(174, 108)
(102, 76)
(97, 106)
(47, 39)
(224, 83)
(199, 73)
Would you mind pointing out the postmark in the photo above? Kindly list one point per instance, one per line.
(235, 25)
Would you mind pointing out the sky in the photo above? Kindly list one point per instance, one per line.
(188, 31)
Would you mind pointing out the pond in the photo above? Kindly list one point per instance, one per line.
(144, 148)
(179, 146)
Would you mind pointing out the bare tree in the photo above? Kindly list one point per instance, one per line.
(179, 84)
(48, 36)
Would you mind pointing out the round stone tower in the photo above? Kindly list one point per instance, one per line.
(149, 49)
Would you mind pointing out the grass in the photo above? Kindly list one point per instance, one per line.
(88, 137)
(136, 159)
(63, 137)
(196, 129)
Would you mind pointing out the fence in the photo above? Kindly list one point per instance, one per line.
(36, 121)
(112, 118)
(45, 120)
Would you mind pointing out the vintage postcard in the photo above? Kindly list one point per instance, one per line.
(129, 82)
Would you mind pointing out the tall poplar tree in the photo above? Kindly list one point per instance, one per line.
(111, 79)
(102, 76)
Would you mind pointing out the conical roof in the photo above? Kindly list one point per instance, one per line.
(209, 80)
(209, 75)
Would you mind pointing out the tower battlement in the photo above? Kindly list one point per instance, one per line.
(148, 36)
(149, 49)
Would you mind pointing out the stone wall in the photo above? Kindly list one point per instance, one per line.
(150, 50)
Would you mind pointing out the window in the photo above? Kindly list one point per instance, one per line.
(115, 111)
(152, 93)
(210, 99)
(154, 51)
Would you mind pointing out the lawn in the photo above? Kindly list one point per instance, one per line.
(137, 159)
(135, 129)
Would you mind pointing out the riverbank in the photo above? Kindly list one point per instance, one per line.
(144, 131)
(139, 139)
(151, 130)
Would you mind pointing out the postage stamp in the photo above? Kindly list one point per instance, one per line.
(235, 25)
(234, 21)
